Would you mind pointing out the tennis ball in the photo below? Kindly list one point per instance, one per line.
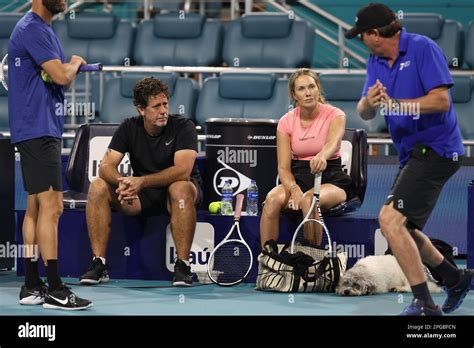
(45, 77)
(214, 207)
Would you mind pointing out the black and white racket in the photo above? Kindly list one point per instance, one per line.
(232, 259)
(4, 70)
(314, 203)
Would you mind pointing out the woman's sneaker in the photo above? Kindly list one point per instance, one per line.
(33, 296)
(63, 298)
(97, 273)
(458, 292)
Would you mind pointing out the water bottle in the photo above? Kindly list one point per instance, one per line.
(226, 199)
(252, 199)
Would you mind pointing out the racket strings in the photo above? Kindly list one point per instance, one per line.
(230, 262)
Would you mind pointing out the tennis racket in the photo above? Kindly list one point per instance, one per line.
(4, 70)
(232, 259)
(314, 202)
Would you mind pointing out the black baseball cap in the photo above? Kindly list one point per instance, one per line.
(374, 15)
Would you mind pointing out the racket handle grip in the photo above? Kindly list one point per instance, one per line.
(238, 206)
(317, 183)
(91, 67)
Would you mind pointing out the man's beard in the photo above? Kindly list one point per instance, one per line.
(54, 6)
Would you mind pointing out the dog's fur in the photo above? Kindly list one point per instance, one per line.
(376, 275)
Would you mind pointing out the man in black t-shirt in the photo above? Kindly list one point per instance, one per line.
(162, 150)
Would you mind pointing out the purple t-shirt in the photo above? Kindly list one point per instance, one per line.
(35, 108)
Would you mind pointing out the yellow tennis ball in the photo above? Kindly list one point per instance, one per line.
(45, 77)
(214, 207)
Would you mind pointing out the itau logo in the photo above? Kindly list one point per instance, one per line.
(201, 249)
(96, 153)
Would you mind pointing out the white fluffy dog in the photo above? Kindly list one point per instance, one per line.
(376, 275)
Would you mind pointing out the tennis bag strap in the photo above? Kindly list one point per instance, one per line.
(334, 269)
(299, 261)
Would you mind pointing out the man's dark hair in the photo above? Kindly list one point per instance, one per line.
(391, 29)
(146, 88)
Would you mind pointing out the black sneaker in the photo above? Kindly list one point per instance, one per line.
(97, 273)
(34, 296)
(458, 292)
(63, 298)
(182, 274)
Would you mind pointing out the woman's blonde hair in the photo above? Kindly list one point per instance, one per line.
(307, 72)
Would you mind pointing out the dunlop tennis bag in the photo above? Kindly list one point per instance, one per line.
(308, 269)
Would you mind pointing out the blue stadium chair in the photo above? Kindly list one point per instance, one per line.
(170, 40)
(469, 47)
(462, 94)
(448, 34)
(96, 37)
(268, 40)
(242, 96)
(7, 23)
(3, 110)
(118, 96)
(344, 92)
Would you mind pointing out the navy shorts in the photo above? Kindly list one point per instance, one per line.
(41, 164)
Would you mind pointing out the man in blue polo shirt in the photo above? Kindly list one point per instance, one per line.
(408, 80)
(37, 73)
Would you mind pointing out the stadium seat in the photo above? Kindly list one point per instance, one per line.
(469, 46)
(462, 94)
(448, 34)
(242, 96)
(89, 147)
(170, 40)
(97, 38)
(7, 23)
(344, 92)
(268, 40)
(118, 96)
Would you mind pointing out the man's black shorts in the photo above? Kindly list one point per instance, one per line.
(153, 201)
(418, 184)
(40, 164)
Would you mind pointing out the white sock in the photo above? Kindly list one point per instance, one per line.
(101, 258)
(186, 262)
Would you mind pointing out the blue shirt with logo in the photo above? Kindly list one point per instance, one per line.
(35, 107)
(419, 67)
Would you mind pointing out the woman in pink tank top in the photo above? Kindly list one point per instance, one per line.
(308, 142)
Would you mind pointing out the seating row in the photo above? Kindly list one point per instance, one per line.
(191, 39)
(260, 40)
(246, 95)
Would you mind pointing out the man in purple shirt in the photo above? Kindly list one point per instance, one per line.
(35, 108)
(408, 80)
